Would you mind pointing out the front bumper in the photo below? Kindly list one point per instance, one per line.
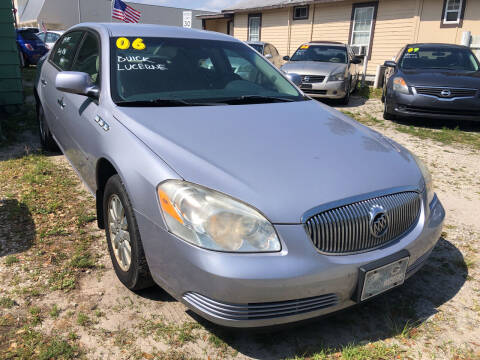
(425, 106)
(292, 285)
(325, 89)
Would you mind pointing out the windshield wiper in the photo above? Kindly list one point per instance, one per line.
(161, 103)
(256, 99)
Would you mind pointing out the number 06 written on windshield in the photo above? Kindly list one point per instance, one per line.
(123, 43)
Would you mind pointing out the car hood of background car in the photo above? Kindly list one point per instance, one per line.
(282, 158)
(445, 78)
(313, 67)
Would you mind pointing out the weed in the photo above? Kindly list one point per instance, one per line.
(83, 319)
(84, 219)
(369, 92)
(6, 302)
(36, 318)
(82, 261)
(55, 311)
(10, 260)
(63, 280)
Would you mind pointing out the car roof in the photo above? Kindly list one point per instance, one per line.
(321, 42)
(256, 42)
(151, 30)
(437, 45)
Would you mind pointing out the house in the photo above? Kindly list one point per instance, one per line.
(379, 28)
(62, 14)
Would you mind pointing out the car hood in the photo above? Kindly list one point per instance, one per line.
(313, 67)
(282, 158)
(449, 78)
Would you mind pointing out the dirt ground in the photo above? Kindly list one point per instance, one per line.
(435, 315)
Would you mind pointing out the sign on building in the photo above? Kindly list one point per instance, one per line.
(187, 19)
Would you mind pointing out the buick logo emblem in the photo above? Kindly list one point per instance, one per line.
(446, 93)
(378, 221)
(306, 78)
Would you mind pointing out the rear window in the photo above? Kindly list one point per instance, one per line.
(28, 35)
(444, 58)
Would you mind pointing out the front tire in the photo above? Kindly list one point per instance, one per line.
(46, 139)
(386, 114)
(346, 99)
(123, 237)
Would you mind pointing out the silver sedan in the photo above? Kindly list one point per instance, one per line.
(328, 69)
(236, 193)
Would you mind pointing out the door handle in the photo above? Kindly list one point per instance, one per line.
(44, 82)
(61, 103)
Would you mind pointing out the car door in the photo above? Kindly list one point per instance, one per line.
(83, 119)
(60, 59)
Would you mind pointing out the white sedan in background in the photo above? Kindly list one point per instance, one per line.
(49, 37)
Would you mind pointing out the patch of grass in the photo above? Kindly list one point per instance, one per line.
(64, 280)
(173, 333)
(83, 261)
(84, 219)
(55, 311)
(11, 259)
(6, 302)
(444, 135)
(372, 351)
(83, 319)
(365, 119)
(369, 92)
(36, 318)
(58, 349)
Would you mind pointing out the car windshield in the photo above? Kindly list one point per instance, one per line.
(258, 47)
(321, 53)
(445, 58)
(151, 70)
(28, 35)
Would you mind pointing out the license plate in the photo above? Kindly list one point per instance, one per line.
(384, 278)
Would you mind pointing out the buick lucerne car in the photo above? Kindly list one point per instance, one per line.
(246, 200)
(440, 81)
(328, 69)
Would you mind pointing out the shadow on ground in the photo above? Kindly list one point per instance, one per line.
(355, 101)
(465, 125)
(395, 313)
(17, 229)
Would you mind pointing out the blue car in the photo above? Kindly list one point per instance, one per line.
(31, 48)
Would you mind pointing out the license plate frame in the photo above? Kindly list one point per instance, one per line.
(391, 270)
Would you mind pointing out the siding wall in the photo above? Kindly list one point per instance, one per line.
(430, 30)
(398, 22)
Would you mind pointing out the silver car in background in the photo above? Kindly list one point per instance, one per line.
(241, 197)
(328, 69)
(267, 50)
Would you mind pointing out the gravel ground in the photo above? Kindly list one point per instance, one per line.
(436, 314)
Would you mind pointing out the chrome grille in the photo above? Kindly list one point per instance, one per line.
(310, 79)
(346, 229)
(255, 311)
(454, 92)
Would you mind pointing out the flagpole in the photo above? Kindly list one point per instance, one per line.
(111, 10)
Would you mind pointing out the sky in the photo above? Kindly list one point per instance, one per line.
(212, 5)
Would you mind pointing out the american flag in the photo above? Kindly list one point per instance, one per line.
(125, 13)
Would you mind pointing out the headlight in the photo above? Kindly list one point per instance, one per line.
(213, 220)
(427, 178)
(337, 77)
(400, 85)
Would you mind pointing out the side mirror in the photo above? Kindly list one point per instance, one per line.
(75, 82)
(294, 78)
(356, 60)
(286, 58)
(268, 56)
(390, 63)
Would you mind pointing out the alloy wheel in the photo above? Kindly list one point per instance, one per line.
(119, 233)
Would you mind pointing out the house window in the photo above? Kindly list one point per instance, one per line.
(362, 25)
(254, 25)
(452, 11)
(300, 12)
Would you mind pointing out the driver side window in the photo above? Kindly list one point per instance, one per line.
(88, 58)
(65, 50)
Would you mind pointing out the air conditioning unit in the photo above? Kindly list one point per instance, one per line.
(360, 50)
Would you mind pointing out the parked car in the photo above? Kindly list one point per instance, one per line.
(246, 200)
(30, 47)
(440, 81)
(267, 50)
(328, 69)
(49, 37)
